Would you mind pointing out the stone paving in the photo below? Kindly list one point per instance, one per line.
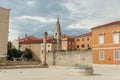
(59, 73)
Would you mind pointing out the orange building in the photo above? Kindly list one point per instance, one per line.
(67, 42)
(82, 42)
(106, 43)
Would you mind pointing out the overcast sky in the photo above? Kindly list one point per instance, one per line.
(33, 17)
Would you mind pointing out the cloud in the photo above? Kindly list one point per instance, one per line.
(31, 3)
(76, 16)
(40, 19)
(13, 33)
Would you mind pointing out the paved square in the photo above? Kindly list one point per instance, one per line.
(59, 73)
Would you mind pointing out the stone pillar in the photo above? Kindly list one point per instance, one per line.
(44, 64)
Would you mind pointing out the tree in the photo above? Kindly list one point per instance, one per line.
(13, 53)
(27, 54)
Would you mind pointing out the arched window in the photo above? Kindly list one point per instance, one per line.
(101, 38)
(78, 40)
(115, 37)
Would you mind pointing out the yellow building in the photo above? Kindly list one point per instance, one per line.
(4, 25)
(83, 42)
(106, 43)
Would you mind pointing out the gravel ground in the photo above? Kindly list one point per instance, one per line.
(59, 73)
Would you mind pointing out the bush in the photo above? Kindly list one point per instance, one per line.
(13, 53)
(27, 54)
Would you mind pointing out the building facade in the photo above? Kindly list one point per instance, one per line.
(106, 43)
(4, 26)
(67, 43)
(83, 42)
(37, 47)
(17, 43)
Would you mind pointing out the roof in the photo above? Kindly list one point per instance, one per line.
(106, 25)
(4, 8)
(86, 34)
(32, 41)
(49, 40)
(68, 37)
(31, 37)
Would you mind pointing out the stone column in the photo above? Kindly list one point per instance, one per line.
(44, 64)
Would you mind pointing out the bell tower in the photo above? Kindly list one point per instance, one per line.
(57, 35)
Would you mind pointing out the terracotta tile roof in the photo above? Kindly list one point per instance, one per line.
(86, 34)
(64, 35)
(68, 37)
(106, 25)
(27, 38)
(40, 40)
(31, 37)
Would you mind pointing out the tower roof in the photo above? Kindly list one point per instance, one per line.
(58, 27)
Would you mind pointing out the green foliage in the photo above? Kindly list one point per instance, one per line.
(89, 48)
(13, 53)
(27, 54)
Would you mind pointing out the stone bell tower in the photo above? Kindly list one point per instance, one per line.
(57, 35)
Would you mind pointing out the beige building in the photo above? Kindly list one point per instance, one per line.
(37, 46)
(4, 25)
(16, 43)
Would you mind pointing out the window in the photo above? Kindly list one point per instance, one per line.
(77, 46)
(101, 55)
(48, 45)
(87, 39)
(101, 39)
(88, 45)
(42, 51)
(78, 40)
(82, 39)
(116, 55)
(48, 50)
(116, 38)
(82, 46)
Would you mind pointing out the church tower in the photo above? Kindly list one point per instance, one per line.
(57, 35)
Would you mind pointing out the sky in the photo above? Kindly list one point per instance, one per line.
(33, 17)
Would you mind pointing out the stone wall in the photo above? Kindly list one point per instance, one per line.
(69, 58)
